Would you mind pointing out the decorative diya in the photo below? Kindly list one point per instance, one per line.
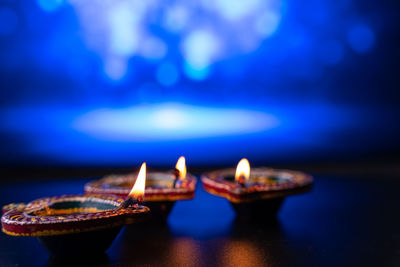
(76, 224)
(258, 195)
(163, 189)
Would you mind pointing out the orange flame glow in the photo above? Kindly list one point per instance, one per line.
(242, 171)
(137, 191)
(181, 167)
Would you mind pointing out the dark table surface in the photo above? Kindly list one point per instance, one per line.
(343, 221)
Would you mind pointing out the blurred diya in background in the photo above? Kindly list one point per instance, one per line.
(258, 193)
(76, 224)
(163, 189)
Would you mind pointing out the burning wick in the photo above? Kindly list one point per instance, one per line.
(242, 172)
(137, 193)
(180, 170)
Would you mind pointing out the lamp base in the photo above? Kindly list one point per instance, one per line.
(91, 242)
(264, 209)
(160, 210)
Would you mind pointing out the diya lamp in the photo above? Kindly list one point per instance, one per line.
(77, 224)
(256, 193)
(163, 189)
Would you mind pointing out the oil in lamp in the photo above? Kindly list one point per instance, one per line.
(163, 189)
(256, 193)
(77, 224)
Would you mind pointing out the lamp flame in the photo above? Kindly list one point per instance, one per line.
(137, 191)
(181, 167)
(242, 171)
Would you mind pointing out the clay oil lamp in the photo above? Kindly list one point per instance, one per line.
(77, 224)
(258, 193)
(163, 189)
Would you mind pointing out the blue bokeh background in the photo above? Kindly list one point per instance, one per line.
(115, 83)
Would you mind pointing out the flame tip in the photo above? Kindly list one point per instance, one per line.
(138, 188)
(242, 170)
(181, 167)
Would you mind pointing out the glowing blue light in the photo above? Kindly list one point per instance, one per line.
(153, 48)
(171, 122)
(196, 73)
(124, 32)
(361, 38)
(120, 30)
(176, 18)
(8, 21)
(267, 23)
(50, 5)
(169, 118)
(167, 74)
(331, 52)
(233, 10)
(207, 135)
(200, 47)
(115, 68)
